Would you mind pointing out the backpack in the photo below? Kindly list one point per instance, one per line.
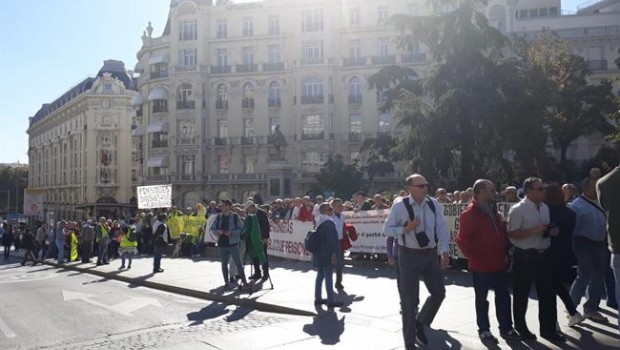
(311, 242)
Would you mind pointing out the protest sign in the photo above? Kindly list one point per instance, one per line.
(158, 196)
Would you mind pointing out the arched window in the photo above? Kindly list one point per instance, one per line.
(185, 97)
(274, 94)
(248, 95)
(355, 90)
(221, 102)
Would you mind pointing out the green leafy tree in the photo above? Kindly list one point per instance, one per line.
(337, 176)
(12, 184)
(574, 107)
(379, 156)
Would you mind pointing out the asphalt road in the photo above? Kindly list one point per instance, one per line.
(45, 308)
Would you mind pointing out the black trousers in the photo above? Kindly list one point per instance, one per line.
(86, 250)
(532, 265)
(340, 263)
(265, 264)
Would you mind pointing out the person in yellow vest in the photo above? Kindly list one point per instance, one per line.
(128, 244)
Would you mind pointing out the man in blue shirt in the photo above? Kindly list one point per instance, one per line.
(590, 250)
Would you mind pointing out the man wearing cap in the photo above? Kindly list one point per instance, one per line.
(422, 236)
(88, 236)
(263, 224)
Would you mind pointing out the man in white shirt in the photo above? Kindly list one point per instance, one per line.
(420, 227)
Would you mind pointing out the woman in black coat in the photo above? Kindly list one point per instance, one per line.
(561, 250)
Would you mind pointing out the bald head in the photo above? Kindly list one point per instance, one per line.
(484, 191)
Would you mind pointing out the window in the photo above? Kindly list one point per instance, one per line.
(274, 25)
(553, 11)
(311, 88)
(158, 171)
(523, 13)
(222, 128)
(223, 163)
(107, 88)
(248, 127)
(249, 164)
(312, 125)
(312, 20)
(187, 165)
(248, 55)
(313, 49)
(159, 70)
(355, 90)
(355, 48)
(543, 12)
(159, 139)
(222, 57)
(383, 48)
(248, 26)
(248, 95)
(382, 13)
(222, 29)
(312, 162)
(354, 16)
(274, 54)
(222, 95)
(188, 30)
(186, 132)
(274, 90)
(185, 98)
(533, 12)
(385, 123)
(273, 123)
(188, 57)
(355, 123)
(160, 106)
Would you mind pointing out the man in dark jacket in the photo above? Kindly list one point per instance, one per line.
(160, 241)
(263, 223)
(88, 236)
(326, 257)
(30, 245)
(482, 238)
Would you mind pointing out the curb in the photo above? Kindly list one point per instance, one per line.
(252, 304)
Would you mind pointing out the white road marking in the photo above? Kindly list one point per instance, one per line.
(124, 308)
(6, 330)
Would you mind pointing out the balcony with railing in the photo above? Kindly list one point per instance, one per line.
(312, 99)
(247, 68)
(220, 69)
(313, 137)
(247, 102)
(596, 64)
(389, 59)
(413, 58)
(160, 108)
(274, 102)
(235, 177)
(156, 178)
(187, 178)
(186, 104)
(355, 137)
(354, 61)
(247, 140)
(159, 143)
(311, 61)
(273, 67)
(355, 99)
(221, 104)
(220, 141)
(159, 74)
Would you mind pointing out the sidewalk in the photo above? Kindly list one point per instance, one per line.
(370, 298)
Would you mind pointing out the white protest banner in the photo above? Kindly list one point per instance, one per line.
(33, 202)
(158, 196)
(369, 227)
(287, 239)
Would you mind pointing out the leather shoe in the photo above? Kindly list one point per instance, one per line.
(554, 337)
(158, 270)
(526, 334)
(339, 285)
(419, 332)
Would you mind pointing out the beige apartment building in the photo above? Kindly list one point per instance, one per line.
(80, 147)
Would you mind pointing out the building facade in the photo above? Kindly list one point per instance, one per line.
(80, 147)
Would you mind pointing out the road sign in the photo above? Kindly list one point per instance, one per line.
(33, 202)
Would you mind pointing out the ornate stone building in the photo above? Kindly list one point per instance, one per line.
(80, 147)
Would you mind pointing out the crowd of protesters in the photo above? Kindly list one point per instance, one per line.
(550, 230)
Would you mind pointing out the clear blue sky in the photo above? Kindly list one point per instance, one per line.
(48, 46)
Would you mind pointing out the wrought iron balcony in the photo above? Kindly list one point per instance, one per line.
(271, 67)
(247, 103)
(159, 74)
(389, 59)
(220, 141)
(312, 99)
(220, 69)
(186, 104)
(221, 104)
(355, 99)
(596, 64)
(160, 108)
(313, 137)
(247, 68)
(275, 102)
(354, 61)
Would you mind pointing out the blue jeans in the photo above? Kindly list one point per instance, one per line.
(591, 266)
(231, 252)
(60, 244)
(129, 258)
(102, 255)
(157, 252)
(327, 274)
(498, 280)
(615, 266)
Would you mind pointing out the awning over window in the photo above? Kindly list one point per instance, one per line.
(159, 59)
(157, 162)
(136, 100)
(158, 93)
(157, 127)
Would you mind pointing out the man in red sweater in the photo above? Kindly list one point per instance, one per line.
(482, 238)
